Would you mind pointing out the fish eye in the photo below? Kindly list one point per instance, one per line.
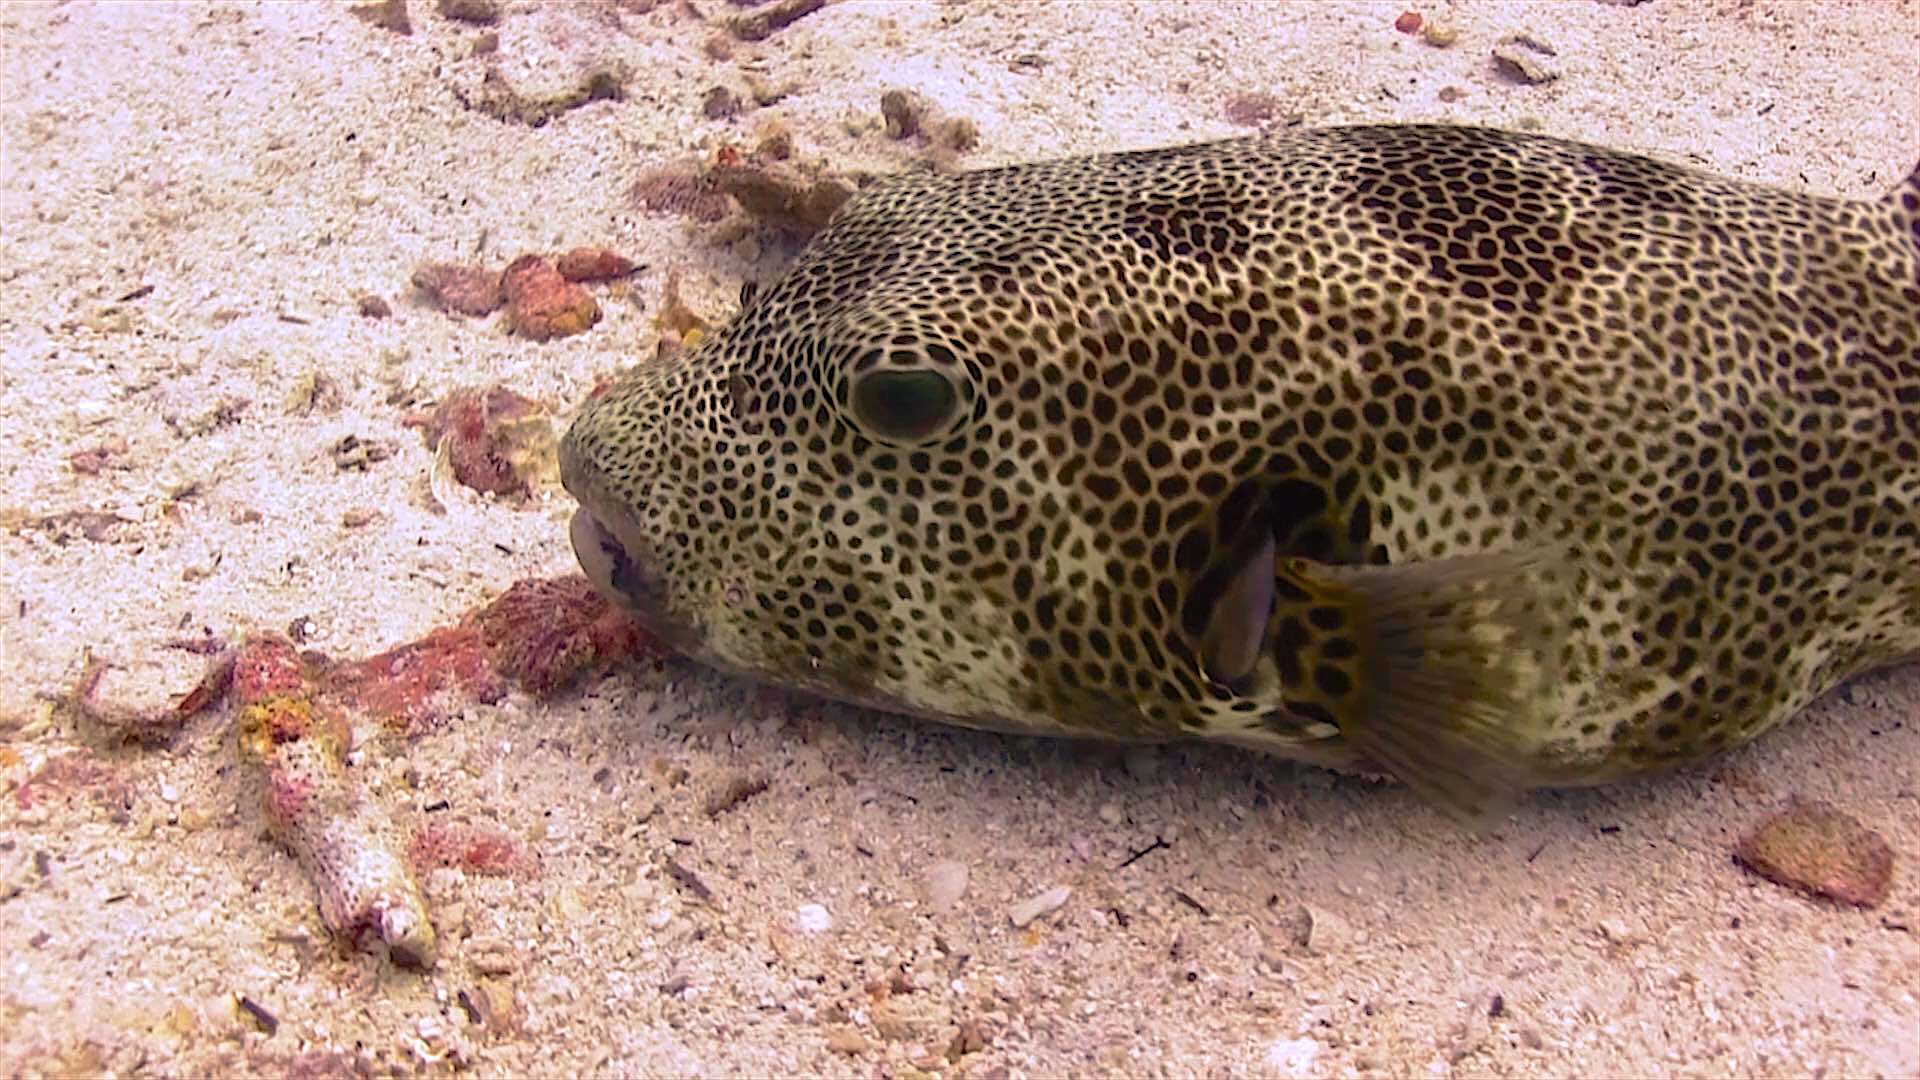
(904, 404)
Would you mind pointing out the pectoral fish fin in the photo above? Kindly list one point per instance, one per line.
(1236, 627)
(1439, 672)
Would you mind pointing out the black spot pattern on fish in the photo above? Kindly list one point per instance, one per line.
(1378, 344)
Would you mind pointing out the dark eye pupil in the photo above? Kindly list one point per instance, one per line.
(904, 404)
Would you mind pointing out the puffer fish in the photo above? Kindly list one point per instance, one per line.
(1487, 461)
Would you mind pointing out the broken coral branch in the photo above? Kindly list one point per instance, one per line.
(296, 717)
(335, 830)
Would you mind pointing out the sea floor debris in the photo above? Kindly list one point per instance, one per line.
(301, 716)
(1820, 851)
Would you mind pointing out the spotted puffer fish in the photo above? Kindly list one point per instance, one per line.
(1489, 461)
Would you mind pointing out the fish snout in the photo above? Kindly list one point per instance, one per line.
(610, 541)
(623, 571)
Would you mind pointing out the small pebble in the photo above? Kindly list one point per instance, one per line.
(1616, 931)
(845, 1040)
(1034, 907)
(1293, 1057)
(812, 919)
(764, 20)
(1319, 931)
(945, 882)
(1514, 59)
(1254, 110)
(1820, 850)
(477, 12)
(905, 112)
(720, 103)
(491, 956)
(385, 14)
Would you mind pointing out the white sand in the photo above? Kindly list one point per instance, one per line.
(258, 163)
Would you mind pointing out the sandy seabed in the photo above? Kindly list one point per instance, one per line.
(197, 198)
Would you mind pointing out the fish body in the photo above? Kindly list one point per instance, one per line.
(1487, 460)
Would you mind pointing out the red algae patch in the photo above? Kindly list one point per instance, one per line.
(542, 304)
(593, 264)
(476, 849)
(495, 441)
(299, 713)
(420, 683)
(467, 290)
(544, 634)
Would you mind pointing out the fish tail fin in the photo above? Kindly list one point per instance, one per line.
(1455, 665)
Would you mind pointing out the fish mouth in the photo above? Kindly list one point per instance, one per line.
(619, 567)
(612, 550)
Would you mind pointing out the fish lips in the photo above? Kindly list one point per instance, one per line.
(612, 550)
(619, 566)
